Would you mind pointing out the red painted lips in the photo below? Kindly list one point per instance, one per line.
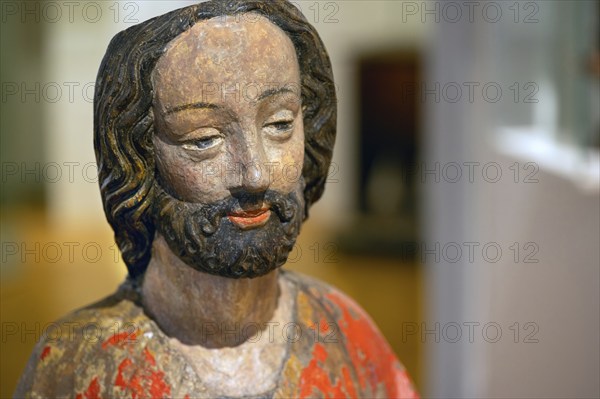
(250, 219)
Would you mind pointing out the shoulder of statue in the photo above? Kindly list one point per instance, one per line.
(79, 337)
(304, 282)
(341, 320)
(332, 300)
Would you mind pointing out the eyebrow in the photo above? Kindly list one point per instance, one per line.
(274, 92)
(203, 105)
(198, 105)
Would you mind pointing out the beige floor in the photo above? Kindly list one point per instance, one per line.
(44, 280)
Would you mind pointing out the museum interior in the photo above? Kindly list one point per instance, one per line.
(461, 210)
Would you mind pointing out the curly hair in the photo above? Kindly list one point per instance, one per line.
(123, 119)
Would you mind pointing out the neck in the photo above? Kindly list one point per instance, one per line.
(202, 309)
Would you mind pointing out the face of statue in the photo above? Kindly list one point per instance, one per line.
(229, 146)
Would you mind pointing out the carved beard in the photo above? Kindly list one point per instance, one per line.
(204, 238)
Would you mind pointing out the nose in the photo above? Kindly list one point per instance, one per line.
(253, 159)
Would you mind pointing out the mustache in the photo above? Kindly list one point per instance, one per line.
(208, 216)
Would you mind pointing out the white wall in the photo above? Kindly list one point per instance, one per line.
(560, 293)
(557, 215)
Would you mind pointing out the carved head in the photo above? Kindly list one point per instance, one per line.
(214, 126)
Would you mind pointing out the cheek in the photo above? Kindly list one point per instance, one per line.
(171, 169)
(189, 180)
(289, 159)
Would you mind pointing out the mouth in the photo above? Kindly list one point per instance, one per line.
(247, 220)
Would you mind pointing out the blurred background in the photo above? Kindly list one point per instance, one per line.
(462, 209)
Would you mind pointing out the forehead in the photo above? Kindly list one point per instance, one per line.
(248, 51)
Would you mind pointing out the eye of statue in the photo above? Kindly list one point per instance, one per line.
(210, 138)
(280, 125)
